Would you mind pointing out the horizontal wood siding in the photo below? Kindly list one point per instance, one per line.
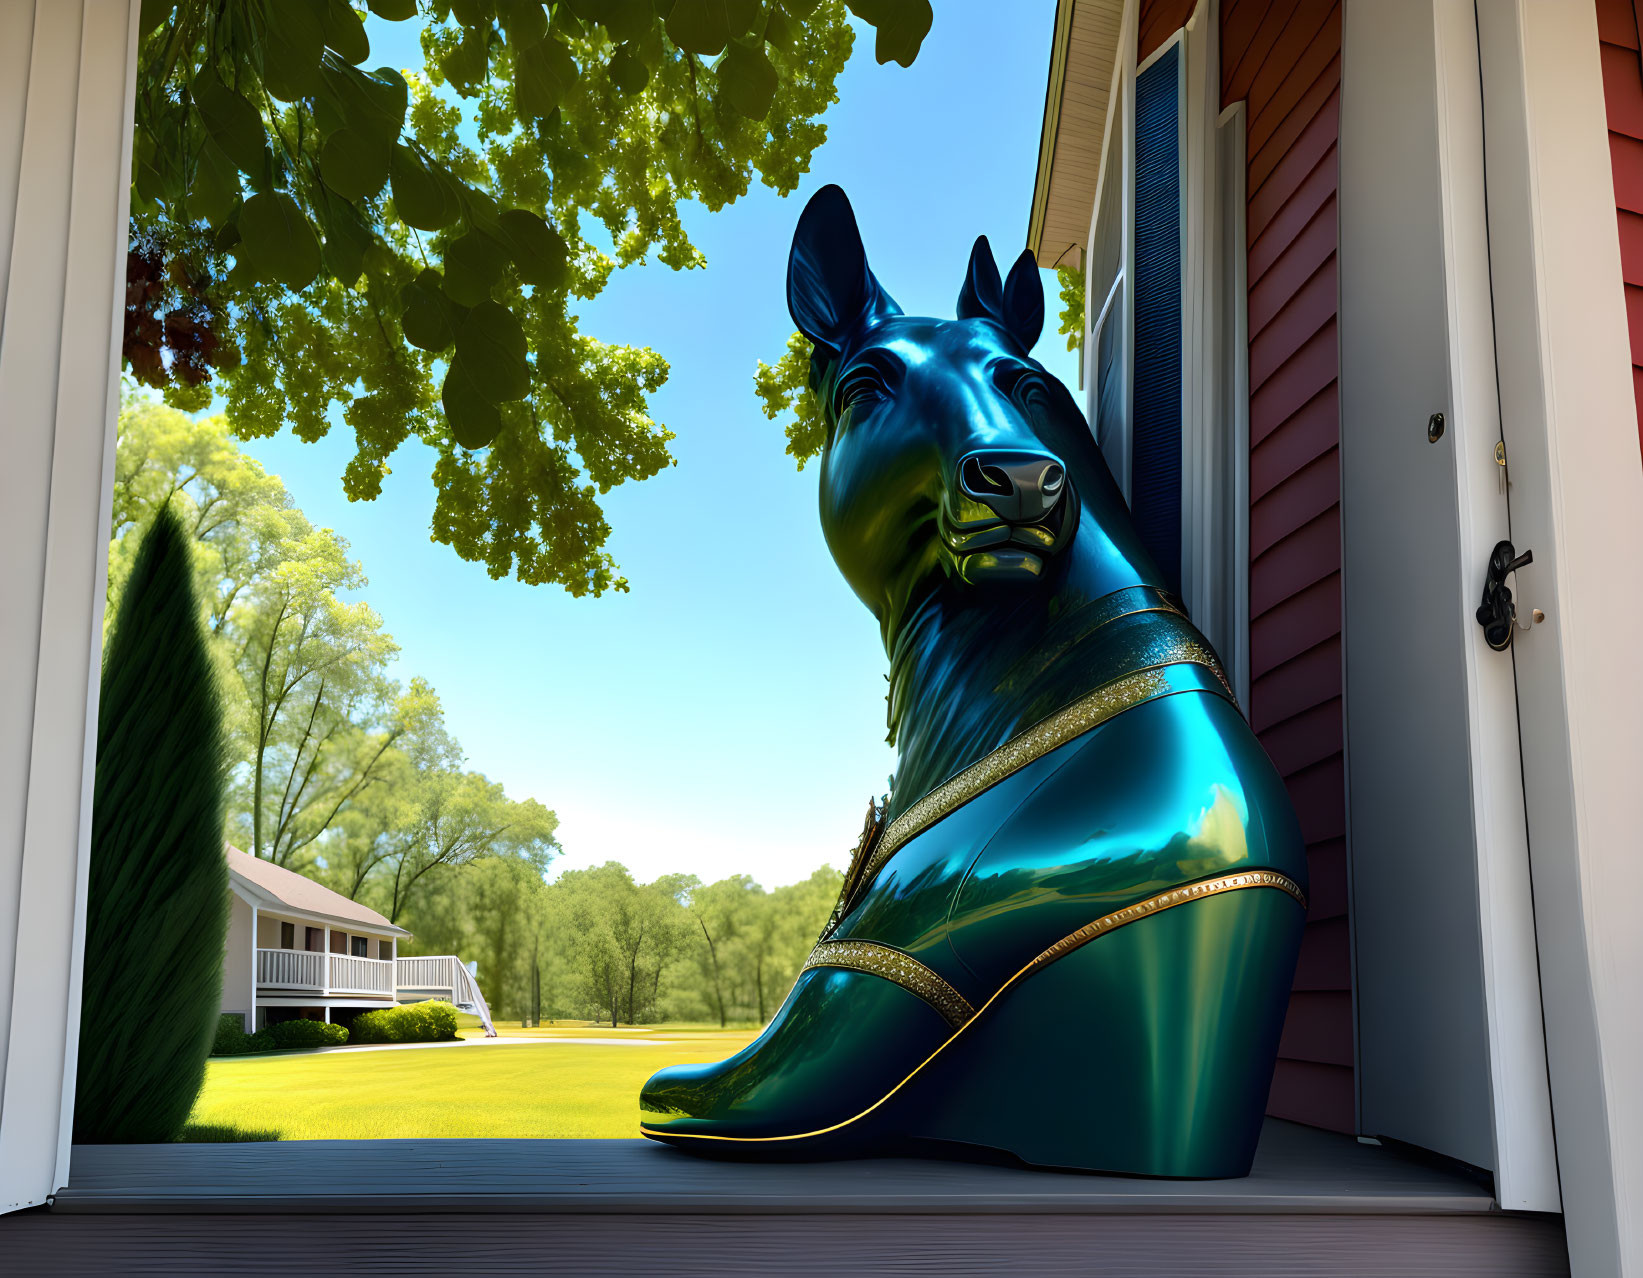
(1282, 58)
(1618, 25)
(1157, 21)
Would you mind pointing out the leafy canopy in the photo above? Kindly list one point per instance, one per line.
(309, 235)
(1071, 281)
(339, 768)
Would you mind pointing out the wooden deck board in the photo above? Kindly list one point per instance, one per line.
(1317, 1203)
(1204, 1246)
(1298, 1170)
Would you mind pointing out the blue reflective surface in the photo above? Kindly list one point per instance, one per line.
(968, 507)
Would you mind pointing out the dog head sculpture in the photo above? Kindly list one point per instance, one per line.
(954, 465)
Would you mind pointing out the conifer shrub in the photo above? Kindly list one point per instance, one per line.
(157, 890)
(431, 1022)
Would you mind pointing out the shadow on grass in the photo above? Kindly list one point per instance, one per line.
(221, 1134)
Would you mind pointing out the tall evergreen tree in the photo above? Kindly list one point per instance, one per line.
(157, 900)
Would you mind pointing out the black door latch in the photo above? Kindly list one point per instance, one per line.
(1497, 613)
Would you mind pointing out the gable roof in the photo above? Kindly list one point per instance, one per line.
(270, 887)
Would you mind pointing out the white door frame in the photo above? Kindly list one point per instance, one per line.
(1571, 434)
(67, 76)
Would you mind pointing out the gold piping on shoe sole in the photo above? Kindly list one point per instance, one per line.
(1066, 945)
(894, 965)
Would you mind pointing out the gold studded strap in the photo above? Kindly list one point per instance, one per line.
(1157, 904)
(1167, 669)
(894, 965)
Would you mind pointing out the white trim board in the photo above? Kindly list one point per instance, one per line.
(1570, 425)
(59, 379)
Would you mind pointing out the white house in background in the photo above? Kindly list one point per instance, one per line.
(296, 948)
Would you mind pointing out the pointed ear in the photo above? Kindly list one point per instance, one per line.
(1024, 301)
(830, 288)
(982, 296)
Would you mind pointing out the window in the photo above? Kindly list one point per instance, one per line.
(361, 946)
(1107, 352)
(314, 939)
(1155, 434)
(1165, 370)
(288, 936)
(385, 949)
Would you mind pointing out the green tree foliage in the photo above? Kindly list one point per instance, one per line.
(1071, 280)
(340, 770)
(157, 896)
(435, 816)
(785, 387)
(621, 937)
(596, 944)
(364, 788)
(310, 237)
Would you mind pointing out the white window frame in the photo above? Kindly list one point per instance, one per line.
(1214, 338)
(1116, 308)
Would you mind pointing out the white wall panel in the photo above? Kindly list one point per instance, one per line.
(66, 117)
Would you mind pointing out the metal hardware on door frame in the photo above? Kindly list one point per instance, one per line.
(1497, 614)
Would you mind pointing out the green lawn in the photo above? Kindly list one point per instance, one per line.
(552, 1089)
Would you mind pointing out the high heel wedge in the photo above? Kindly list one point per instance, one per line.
(1146, 1050)
(1141, 1044)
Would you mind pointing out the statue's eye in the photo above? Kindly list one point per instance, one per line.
(1012, 378)
(861, 385)
(872, 376)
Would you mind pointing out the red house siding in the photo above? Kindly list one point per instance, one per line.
(1617, 28)
(1282, 59)
(1158, 21)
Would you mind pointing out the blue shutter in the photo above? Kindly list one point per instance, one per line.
(1155, 457)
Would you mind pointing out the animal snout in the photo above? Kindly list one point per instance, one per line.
(1017, 485)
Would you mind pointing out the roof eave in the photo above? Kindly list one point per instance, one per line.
(1052, 119)
(264, 900)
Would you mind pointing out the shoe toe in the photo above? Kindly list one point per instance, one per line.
(837, 1046)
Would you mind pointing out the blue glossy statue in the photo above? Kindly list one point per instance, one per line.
(1070, 931)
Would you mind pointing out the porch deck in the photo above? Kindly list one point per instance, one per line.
(1315, 1203)
(292, 976)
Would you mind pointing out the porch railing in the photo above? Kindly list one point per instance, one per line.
(291, 969)
(441, 976)
(432, 973)
(351, 975)
(325, 973)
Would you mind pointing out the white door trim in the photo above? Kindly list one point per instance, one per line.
(64, 303)
(1525, 1154)
(1577, 501)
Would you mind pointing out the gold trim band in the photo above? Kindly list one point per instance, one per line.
(1088, 712)
(1066, 945)
(894, 965)
(1164, 901)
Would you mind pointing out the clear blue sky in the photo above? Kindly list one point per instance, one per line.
(727, 715)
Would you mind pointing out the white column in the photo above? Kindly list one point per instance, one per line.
(1577, 502)
(66, 83)
(251, 1023)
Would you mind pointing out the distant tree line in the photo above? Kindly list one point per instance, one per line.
(349, 775)
(596, 945)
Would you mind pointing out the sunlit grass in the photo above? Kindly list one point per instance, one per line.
(469, 1027)
(582, 1090)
